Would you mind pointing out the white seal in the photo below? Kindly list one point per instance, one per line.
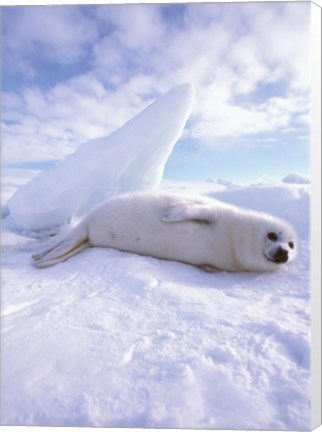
(192, 229)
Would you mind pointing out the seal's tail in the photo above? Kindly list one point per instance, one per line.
(74, 242)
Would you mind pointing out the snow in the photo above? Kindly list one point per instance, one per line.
(105, 166)
(109, 338)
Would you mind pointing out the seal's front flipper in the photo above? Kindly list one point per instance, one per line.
(184, 211)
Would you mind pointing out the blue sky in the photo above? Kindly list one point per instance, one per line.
(72, 73)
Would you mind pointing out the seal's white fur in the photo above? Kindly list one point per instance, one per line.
(195, 230)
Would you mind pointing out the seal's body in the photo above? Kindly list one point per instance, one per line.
(195, 230)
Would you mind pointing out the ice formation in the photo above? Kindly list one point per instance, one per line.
(131, 158)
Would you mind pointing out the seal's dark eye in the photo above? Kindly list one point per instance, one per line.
(272, 236)
(291, 245)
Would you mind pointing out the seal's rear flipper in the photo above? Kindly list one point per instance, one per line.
(51, 258)
(75, 242)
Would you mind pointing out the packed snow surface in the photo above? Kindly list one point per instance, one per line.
(110, 338)
(105, 166)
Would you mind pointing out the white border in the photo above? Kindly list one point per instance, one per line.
(315, 55)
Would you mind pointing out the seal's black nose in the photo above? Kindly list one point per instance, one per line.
(281, 255)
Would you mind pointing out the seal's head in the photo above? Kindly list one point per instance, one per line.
(280, 245)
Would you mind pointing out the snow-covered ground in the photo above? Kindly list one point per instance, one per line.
(109, 338)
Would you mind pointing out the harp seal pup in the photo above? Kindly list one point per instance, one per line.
(196, 230)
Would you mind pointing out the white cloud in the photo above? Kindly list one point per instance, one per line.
(133, 53)
(137, 27)
(59, 34)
